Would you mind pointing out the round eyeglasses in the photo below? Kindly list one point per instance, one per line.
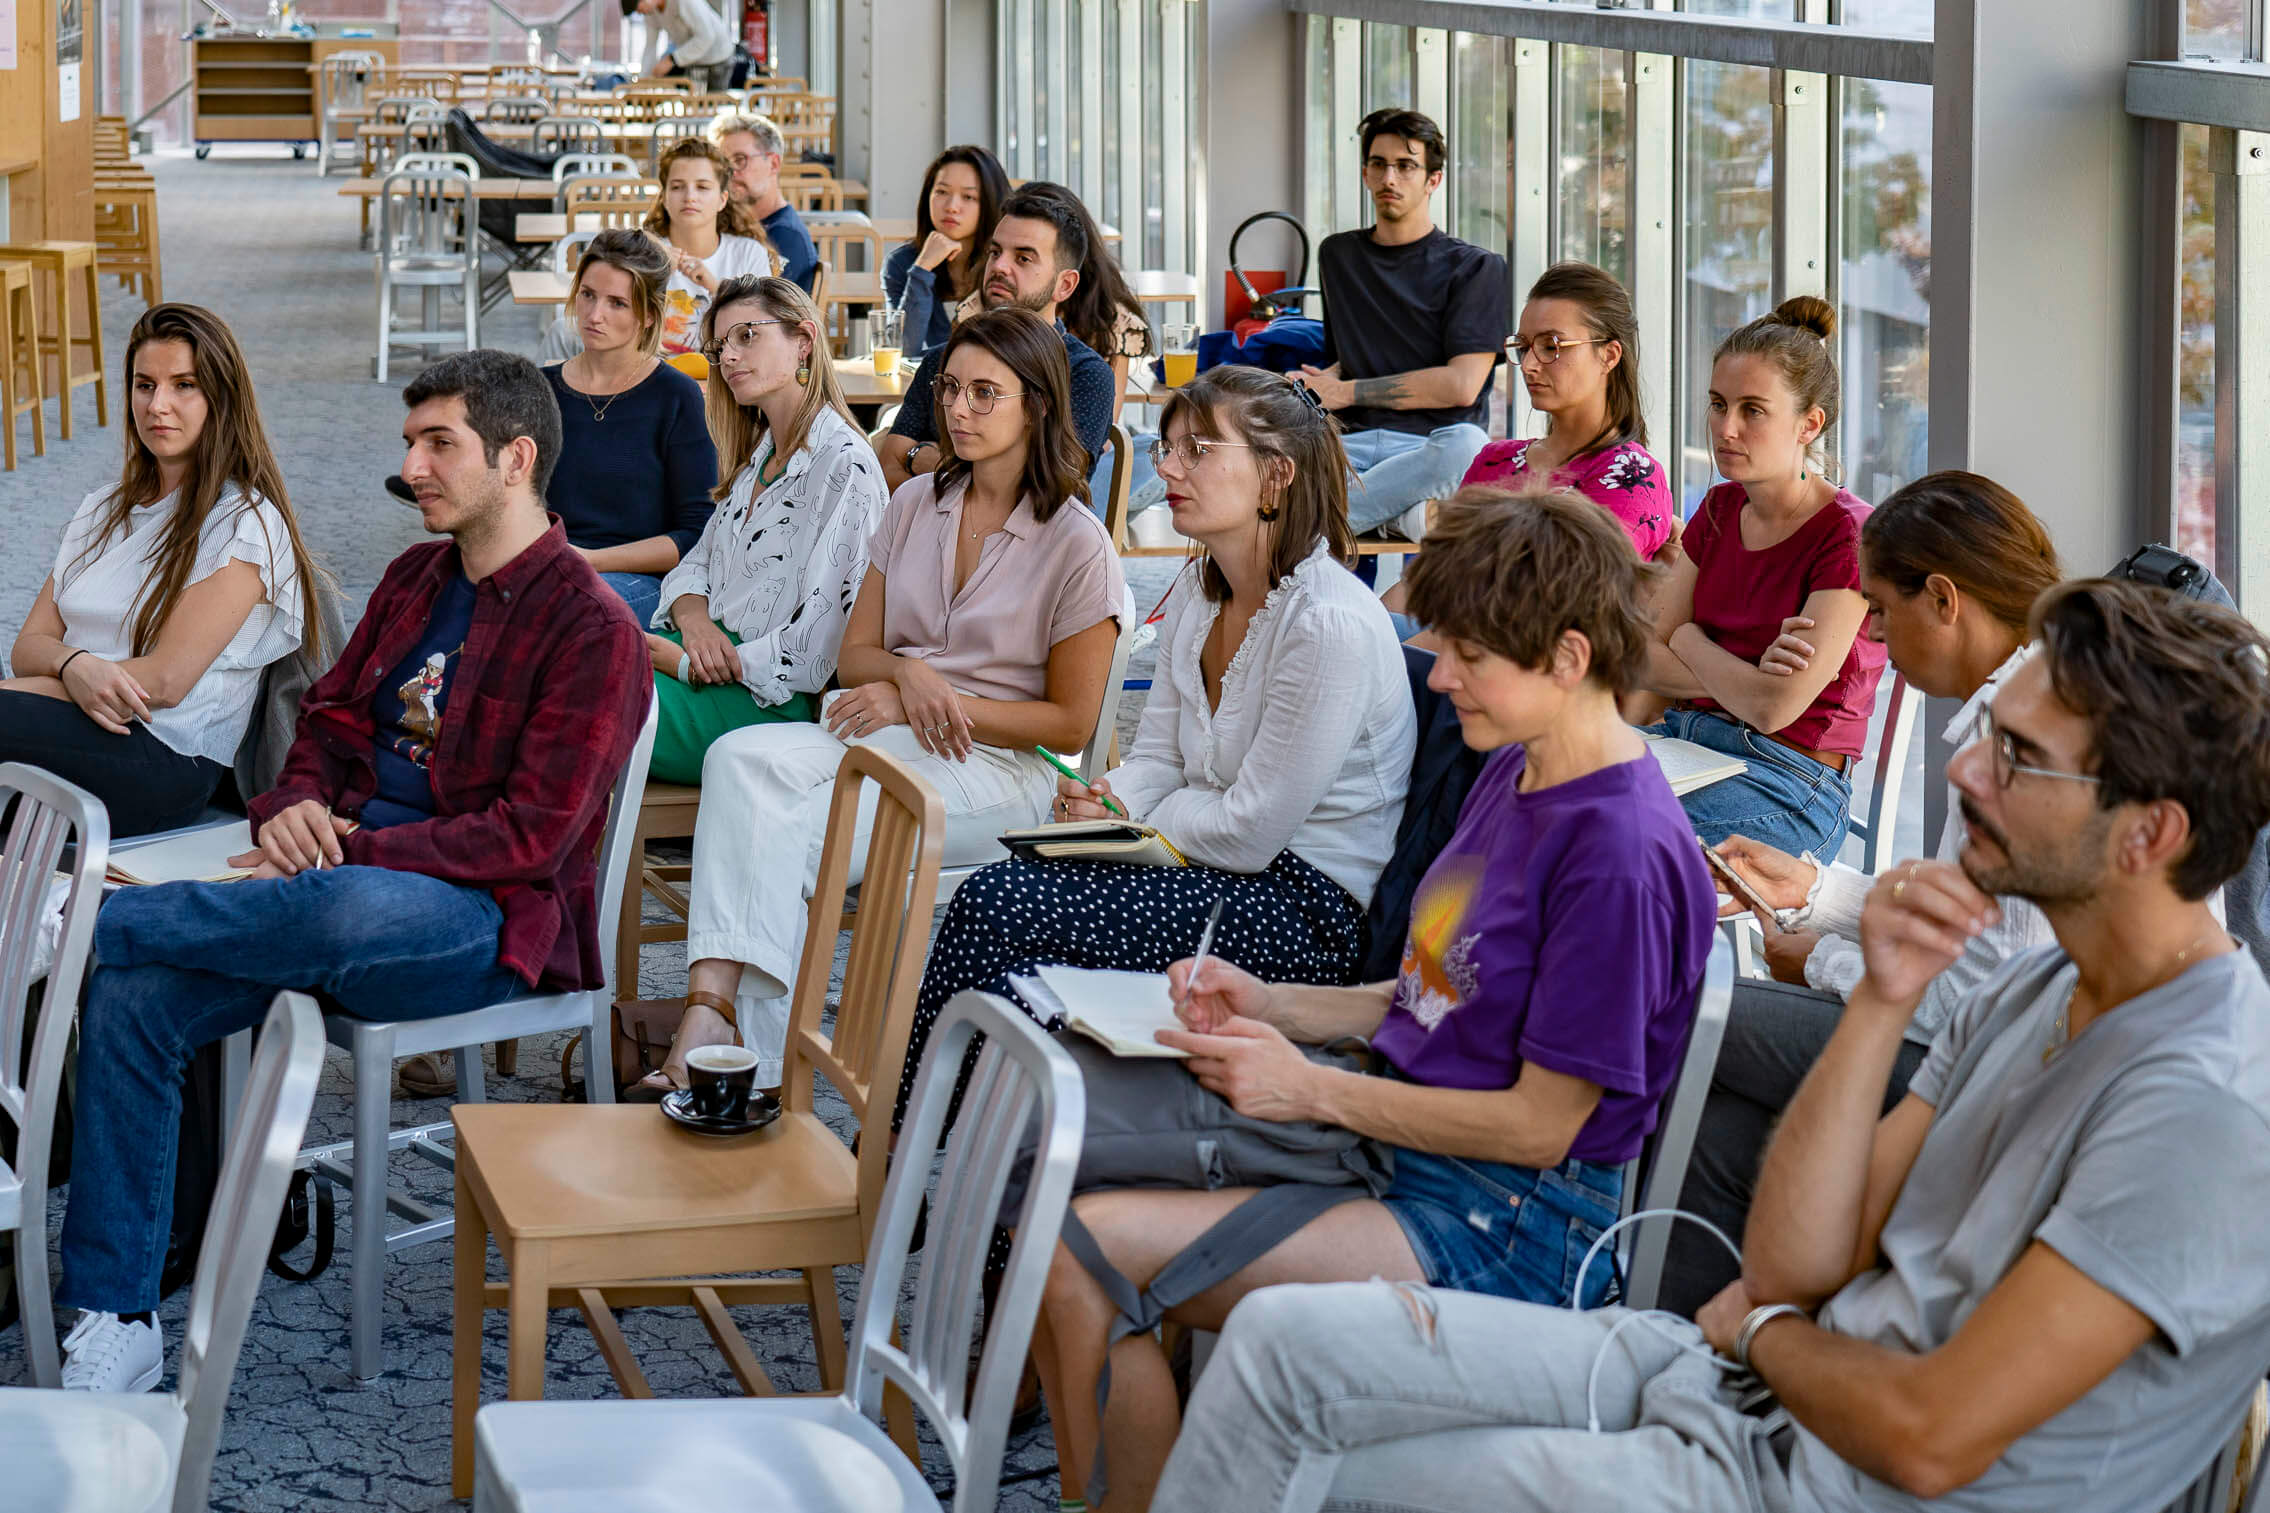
(739, 337)
(1188, 451)
(982, 396)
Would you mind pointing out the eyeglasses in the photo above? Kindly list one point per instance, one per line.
(1189, 451)
(1547, 347)
(1400, 168)
(738, 338)
(982, 396)
(741, 160)
(2004, 746)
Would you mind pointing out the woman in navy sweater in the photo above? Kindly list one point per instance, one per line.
(636, 461)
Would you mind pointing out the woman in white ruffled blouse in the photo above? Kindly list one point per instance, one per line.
(756, 610)
(138, 668)
(1274, 751)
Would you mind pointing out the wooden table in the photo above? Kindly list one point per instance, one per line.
(539, 286)
(1153, 288)
(483, 189)
(900, 228)
(860, 386)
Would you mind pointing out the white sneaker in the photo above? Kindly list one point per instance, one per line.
(104, 1353)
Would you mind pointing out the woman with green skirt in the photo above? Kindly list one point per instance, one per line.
(755, 611)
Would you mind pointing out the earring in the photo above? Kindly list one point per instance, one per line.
(804, 372)
(1271, 510)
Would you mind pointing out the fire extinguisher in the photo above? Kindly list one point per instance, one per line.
(756, 34)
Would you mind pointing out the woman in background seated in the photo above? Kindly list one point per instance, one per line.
(636, 462)
(1547, 986)
(1950, 566)
(983, 628)
(1577, 351)
(927, 278)
(1758, 626)
(755, 613)
(1273, 751)
(138, 668)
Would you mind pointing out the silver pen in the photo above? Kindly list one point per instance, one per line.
(1198, 961)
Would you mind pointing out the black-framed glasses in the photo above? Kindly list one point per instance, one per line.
(1188, 451)
(2004, 747)
(982, 396)
(1547, 347)
(739, 337)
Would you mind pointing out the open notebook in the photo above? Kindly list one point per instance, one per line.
(1690, 766)
(194, 856)
(1118, 1010)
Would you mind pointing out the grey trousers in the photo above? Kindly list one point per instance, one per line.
(1775, 1031)
(1387, 1397)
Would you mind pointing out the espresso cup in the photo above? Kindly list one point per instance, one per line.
(719, 1079)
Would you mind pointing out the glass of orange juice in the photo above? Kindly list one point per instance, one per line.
(885, 326)
(1180, 359)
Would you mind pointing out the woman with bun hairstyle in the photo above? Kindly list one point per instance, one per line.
(1758, 643)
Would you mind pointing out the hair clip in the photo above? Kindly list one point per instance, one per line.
(1309, 398)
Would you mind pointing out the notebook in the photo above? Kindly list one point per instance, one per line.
(1690, 766)
(198, 856)
(1095, 841)
(1118, 1010)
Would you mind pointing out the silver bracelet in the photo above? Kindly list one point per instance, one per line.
(1756, 1320)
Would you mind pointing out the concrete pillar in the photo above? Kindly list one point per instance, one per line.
(1248, 156)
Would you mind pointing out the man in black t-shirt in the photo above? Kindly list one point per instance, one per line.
(1415, 320)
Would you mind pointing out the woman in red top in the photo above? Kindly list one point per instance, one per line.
(1759, 626)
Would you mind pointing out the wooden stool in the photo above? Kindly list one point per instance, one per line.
(58, 260)
(19, 350)
(126, 232)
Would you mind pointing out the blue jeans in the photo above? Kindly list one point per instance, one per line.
(181, 965)
(1395, 470)
(1509, 1231)
(1786, 799)
(641, 591)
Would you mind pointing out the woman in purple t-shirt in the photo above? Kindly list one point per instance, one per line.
(1758, 626)
(1547, 987)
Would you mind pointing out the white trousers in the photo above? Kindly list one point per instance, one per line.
(764, 814)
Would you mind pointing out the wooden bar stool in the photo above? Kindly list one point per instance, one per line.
(59, 260)
(19, 360)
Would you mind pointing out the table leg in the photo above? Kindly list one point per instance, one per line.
(472, 1261)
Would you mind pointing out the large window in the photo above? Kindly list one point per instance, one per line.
(1728, 255)
(1592, 158)
(2195, 361)
(1480, 169)
(1884, 284)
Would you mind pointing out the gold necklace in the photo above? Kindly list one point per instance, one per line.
(598, 410)
(2059, 1035)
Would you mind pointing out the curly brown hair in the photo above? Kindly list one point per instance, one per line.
(2177, 695)
(1514, 572)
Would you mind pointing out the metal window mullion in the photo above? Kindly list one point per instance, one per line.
(1347, 110)
(1430, 95)
(1800, 183)
(1174, 178)
(1055, 163)
(2241, 162)
(1529, 249)
(1128, 213)
(1654, 238)
(1092, 99)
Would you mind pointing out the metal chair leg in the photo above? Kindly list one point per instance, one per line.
(374, 1079)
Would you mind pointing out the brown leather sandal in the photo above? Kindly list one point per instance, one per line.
(646, 1091)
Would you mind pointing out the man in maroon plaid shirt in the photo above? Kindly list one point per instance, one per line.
(427, 850)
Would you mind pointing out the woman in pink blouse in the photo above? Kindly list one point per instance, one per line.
(1577, 351)
(984, 627)
(1758, 625)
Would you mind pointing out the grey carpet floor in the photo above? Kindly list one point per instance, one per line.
(273, 249)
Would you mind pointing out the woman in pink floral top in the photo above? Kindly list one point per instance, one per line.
(1578, 352)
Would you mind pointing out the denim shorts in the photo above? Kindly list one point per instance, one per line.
(1508, 1231)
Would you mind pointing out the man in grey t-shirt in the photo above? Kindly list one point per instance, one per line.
(2038, 1280)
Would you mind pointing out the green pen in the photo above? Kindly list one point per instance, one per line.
(1057, 762)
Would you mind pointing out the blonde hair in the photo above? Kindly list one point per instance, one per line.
(738, 428)
(642, 259)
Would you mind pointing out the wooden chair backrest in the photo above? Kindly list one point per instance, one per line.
(609, 202)
(865, 1055)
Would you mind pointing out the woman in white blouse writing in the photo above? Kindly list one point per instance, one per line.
(1274, 751)
(138, 669)
(756, 610)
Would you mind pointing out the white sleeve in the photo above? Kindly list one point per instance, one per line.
(1153, 768)
(258, 534)
(1834, 908)
(1314, 700)
(798, 655)
(691, 575)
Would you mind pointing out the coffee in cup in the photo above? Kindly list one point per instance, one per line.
(719, 1079)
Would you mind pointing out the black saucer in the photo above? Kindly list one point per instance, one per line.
(763, 1110)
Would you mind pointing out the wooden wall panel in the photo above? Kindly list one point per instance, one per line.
(55, 199)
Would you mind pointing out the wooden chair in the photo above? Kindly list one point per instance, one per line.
(23, 386)
(126, 232)
(609, 1206)
(607, 203)
(58, 262)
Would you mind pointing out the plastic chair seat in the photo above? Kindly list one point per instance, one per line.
(818, 1455)
(80, 1452)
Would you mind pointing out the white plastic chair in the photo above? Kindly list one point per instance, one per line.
(1655, 1179)
(360, 1163)
(829, 1453)
(64, 1452)
(429, 240)
(48, 812)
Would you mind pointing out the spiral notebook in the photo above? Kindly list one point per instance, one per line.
(1118, 1010)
